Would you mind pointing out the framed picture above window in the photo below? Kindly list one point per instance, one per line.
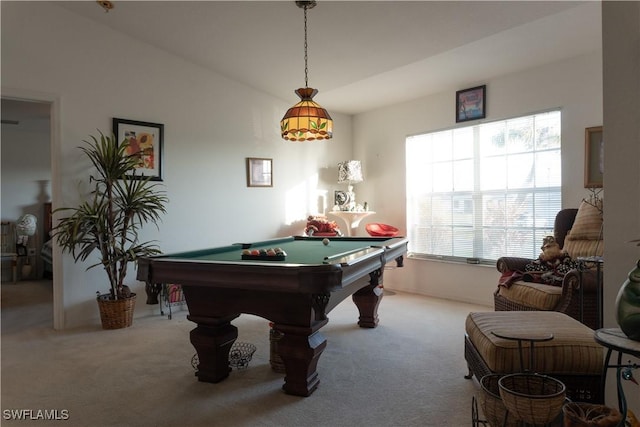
(146, 142)
(471, 103)
(259, 172)
(593, 157)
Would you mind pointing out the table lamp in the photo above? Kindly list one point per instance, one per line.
(350, 172)
(26, 227)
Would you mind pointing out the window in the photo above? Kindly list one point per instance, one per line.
(477, 193)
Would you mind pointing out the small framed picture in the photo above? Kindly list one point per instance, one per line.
(259, 172)
(593, 157)
(145, 141)
(340, 198)
(471, 104)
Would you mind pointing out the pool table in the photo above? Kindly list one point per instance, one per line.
(295, 293)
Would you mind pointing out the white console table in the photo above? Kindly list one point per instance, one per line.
(352, 220)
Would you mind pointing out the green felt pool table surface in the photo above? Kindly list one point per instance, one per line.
(298, 249)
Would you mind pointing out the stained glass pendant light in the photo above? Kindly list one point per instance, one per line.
(307, 120)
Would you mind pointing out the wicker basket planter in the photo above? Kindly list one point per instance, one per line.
(577, 414)
(116, 314)
(491, 403)
(532, 398)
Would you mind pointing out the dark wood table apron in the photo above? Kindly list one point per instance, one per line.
(296, 298)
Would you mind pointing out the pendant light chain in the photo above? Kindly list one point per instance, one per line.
(306, 68)
(306, 120)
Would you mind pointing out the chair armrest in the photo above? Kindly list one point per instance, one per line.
(586, 278)
(570, 302)
(570, 288)
(574, 279)
(505, 264)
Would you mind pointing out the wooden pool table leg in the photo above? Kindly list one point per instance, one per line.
(212, 339)
(300, 348)
(368, 299)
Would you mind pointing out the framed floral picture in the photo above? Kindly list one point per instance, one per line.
(146, 141)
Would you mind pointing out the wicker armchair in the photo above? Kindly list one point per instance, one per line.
(578, 296)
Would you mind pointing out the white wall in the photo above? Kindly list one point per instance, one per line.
(574, 85)
(621, 60)
(622, 143)
(211, 125)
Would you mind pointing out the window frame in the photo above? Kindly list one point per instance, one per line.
(553, 194)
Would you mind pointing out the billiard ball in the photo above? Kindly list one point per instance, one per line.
(325, 241)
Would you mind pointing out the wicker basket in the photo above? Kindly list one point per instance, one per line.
(116, 314)
(578, 414)
(532, 398)
(240, 354)
(492, 406)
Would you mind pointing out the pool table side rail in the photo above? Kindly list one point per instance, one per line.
(254, 276)
(258, 275)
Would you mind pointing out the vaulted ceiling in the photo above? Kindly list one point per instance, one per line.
(362, 54)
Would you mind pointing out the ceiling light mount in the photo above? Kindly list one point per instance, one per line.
(105, 4)
(307, 120)
(306, 4)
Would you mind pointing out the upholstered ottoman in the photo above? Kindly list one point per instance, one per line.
(572, 356)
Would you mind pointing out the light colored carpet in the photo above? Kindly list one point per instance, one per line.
(409, 371)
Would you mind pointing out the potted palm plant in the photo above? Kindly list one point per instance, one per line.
(108, 221)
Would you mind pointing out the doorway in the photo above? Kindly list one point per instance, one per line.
(26, 192)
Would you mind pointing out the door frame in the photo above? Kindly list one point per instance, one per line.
(54, 102)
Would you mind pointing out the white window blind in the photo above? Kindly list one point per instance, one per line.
(477, 193)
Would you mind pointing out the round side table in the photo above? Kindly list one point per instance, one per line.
(615, 340)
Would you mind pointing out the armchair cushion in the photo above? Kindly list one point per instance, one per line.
(583, 248)
(588, 223)
(585, 236)
(538, 296)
